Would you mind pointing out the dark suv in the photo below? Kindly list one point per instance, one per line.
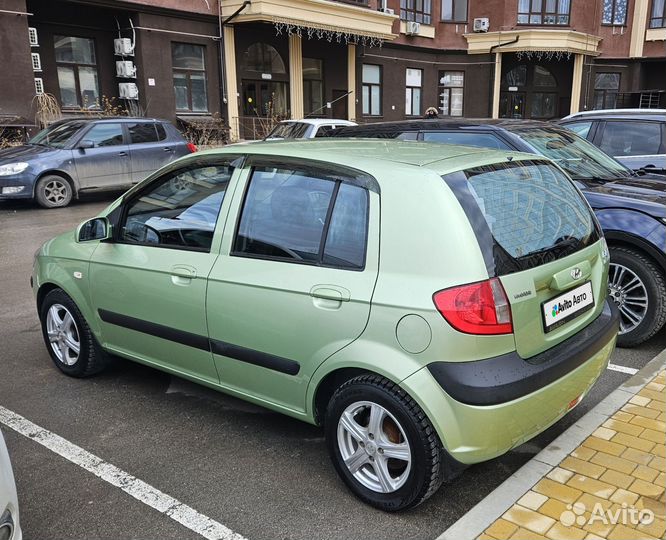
(635, 137)
(75, 155)
(631, 208)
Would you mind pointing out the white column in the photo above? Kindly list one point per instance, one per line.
(496, 84)
(231, 83)
(638, 27)
(351, 81)
(296, 77)
(577, 84)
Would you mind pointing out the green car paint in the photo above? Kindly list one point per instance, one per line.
(380, 319)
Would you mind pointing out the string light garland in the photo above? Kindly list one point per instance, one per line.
(330, 34)
(543, 55)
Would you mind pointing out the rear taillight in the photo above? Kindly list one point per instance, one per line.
(192, 147)
(478, 308)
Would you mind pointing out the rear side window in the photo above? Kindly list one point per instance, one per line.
(524, 214)
(631, 138)
(161, 132)
(142, 133)
(303, 217)
(482, 140)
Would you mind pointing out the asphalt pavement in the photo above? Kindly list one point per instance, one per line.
(261, 474)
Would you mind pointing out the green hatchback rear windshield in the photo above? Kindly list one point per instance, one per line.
(524, 214)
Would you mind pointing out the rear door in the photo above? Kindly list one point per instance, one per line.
(107, 163)
(296, 285)
(538, 235)
(149, 147)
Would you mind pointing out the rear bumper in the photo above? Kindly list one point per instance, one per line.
(532, 396)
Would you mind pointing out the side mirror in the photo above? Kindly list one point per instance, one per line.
(94, 229)
(85, 143)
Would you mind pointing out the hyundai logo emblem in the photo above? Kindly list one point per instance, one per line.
(576, 273)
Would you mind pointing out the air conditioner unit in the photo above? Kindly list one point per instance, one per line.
(412, 28)
(125, 69)
(481, 24)
(36, 62)
(123, 46)
(387, 10)
(32, 33)
(128, 91)
(39, 86)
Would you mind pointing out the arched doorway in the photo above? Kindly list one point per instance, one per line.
(265, 82)
(529, 91)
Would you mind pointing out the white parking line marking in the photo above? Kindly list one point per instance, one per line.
(147, 494)
(622, 369)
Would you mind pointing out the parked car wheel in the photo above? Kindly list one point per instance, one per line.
(638, 288)
(382, 444)
(68, 337)
(53, 191)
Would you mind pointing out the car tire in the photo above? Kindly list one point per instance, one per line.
(53, 191)
(632, 272)
(405, 430)
(69, 340)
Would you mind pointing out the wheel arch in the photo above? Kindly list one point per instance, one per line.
(626, 240)
(77, 295)
(62, 174)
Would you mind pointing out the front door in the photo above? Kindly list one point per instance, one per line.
(512, 105)
(149, 284)
(340, 104)
(107, 163)
(298, 282)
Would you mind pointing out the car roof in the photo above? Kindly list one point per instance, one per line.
(651, 114)
(372, 154)
(320, 121)
(447, 123)
(97, 119)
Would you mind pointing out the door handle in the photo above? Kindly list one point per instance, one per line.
(183, 274)
(330, 292)
(167, 149)
(122, 153)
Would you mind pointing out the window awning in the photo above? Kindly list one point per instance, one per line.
(331, 18)
(534, 40)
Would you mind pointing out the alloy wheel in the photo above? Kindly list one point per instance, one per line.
(630, 294)
(55, 191)
(374, 447)
(63, 334)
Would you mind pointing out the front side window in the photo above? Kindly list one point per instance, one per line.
(416, 11)
(180, 210)
(76, 66)
(413, 84)
(658, 15)
(631, 138)
(105, 135)
(614, 12)
(580, 128)
(555, 12)
(313, 86)
(454, 10)
(451, 90)
(372, 90)
(606, 88)
(303, 217)
(189, 77)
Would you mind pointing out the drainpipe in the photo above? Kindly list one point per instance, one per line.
(220, 43)
(492, 78)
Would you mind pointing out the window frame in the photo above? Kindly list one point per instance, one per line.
(441, 89)
(655, 17)
(453, 11)
(411, 89)
(188, 72)
(370, 86)
(332, 173)
(74, 66)
(543, 13)
(118, 217)
(308, 82)
(418, 15)
(613, 4)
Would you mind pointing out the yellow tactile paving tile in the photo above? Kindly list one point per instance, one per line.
(611, 487)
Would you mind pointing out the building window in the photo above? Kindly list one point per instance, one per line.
(544, 11)
(454, 10)
(451, 89)
(606, 88)
(614, 12)
(416, 10)
(413, 80)
(263, 58)
(372, 90)
(189, 77)
(658, 17)
(77, 72)
(313, 87)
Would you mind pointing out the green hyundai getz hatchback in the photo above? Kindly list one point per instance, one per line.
(430, 307)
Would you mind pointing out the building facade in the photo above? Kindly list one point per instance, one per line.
(250, 62)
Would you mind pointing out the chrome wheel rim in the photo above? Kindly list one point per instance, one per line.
(63, 334)
(374, 447)
(55, 191)
(630, 294)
